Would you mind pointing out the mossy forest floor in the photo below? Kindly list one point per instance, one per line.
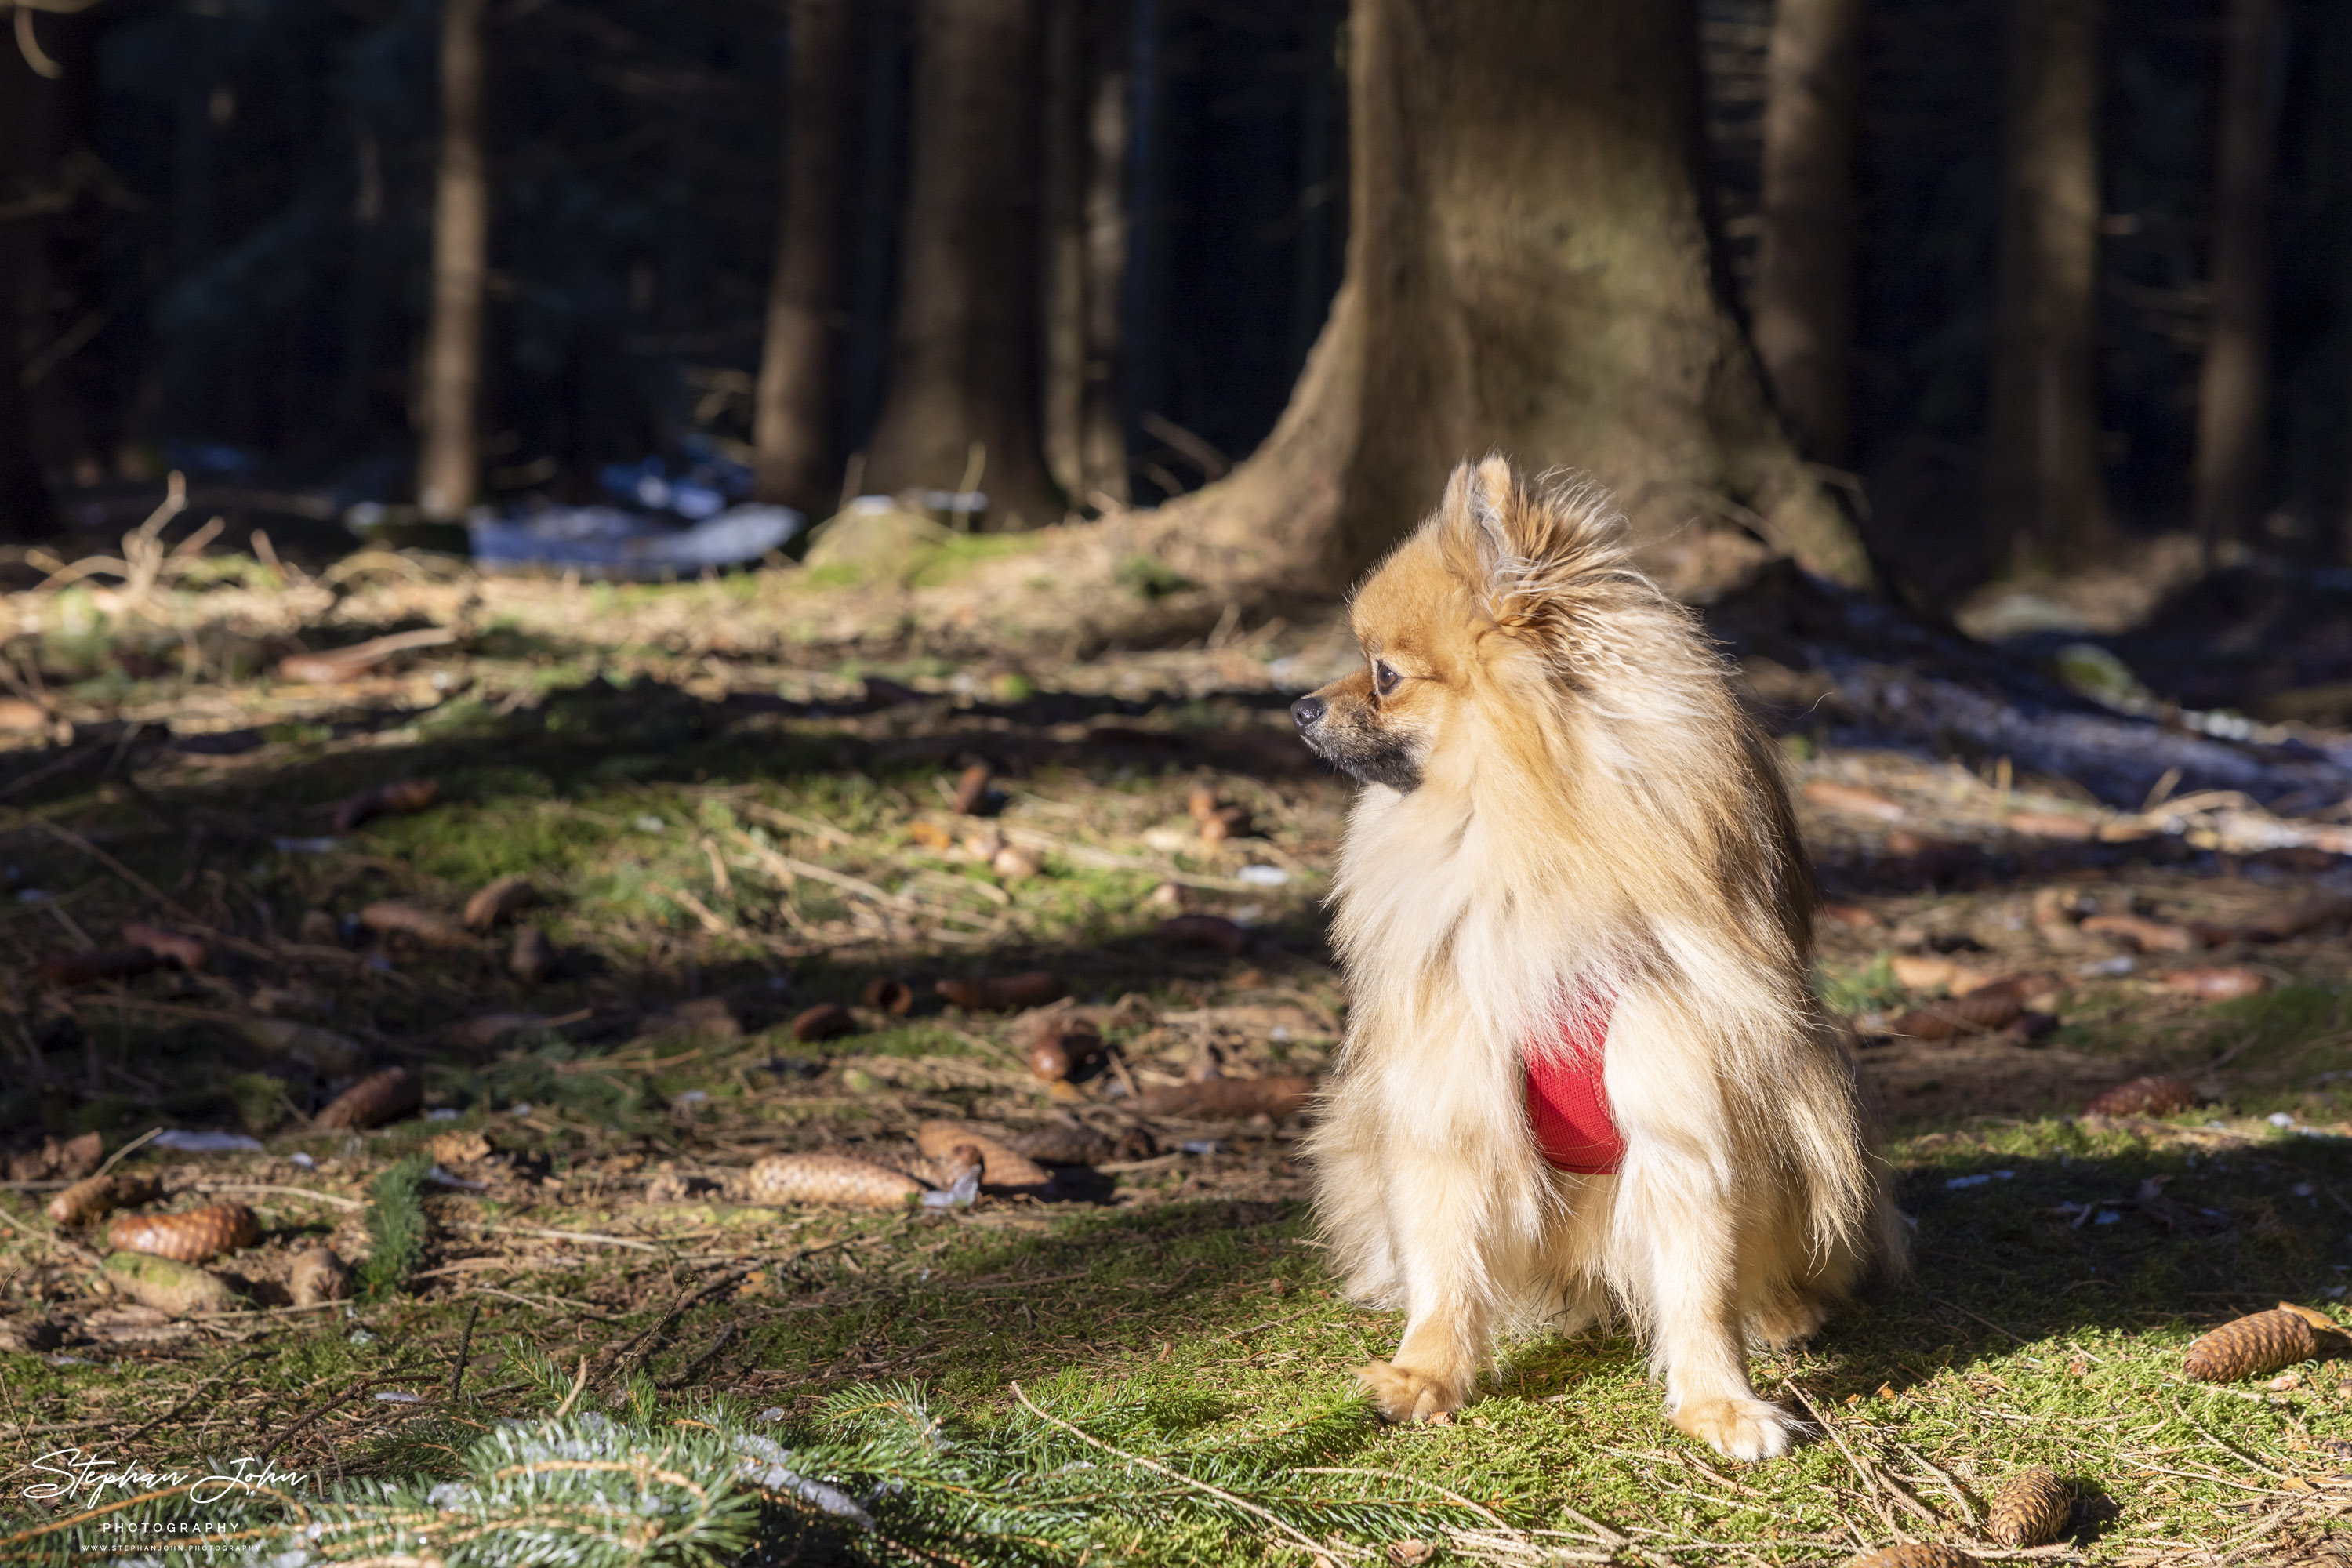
(725, 829)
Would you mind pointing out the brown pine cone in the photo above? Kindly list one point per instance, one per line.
(2031, 1508)
(1059, 1048)
(189, 1238)
(828, 1179)
(533, 958)
(2252, 1346)
(430, 926)
(1004, 1167)
(1068, 1143)
(1979, 1012)
(1915, 1554)
(885, 994)
(498, 900)
(1202, 930)
(375, 1100)
(317, 1274)
(825, 1021)
(404, 795)
(95, 1197)
(1003, 993)
(2145, 1097)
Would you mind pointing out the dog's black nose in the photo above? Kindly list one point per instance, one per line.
(1308, 712)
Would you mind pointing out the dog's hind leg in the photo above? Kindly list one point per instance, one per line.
(1681, 1229)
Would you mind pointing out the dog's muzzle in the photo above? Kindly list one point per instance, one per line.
(1308, 712)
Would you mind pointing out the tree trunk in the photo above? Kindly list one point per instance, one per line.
(964, 383)
(1528, 271)
(448, 469)
(25, 512)
(2234, 405)
(2042, 479)
(1803, 303)
(793, 432)
(1085, 251)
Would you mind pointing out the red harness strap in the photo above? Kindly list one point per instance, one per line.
(1566, 1102)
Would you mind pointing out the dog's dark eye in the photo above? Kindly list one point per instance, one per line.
(1384, 680)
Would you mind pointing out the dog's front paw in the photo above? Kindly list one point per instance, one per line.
(1740, 1428)
(1402, 1393)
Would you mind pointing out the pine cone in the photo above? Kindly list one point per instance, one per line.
(885, 994)
(190, 1237)
(95, 1197)
(828, 1179)
(1003, 993)
(430, 926)
(374, 1100)
(2145, 1097)
(1915, 1554)
(1202, 930)
(825, 1021)
(1004, 1167)
(1976, 1013)
(2031, 1508)
(499, 899)
(404, 795)
(317, 1274)
(2251, 1347)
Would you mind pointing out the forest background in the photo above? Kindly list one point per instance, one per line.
(2029, 283)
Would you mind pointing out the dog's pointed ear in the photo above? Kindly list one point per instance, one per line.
(1521, 548)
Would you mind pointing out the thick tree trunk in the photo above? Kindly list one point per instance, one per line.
(2233, 403)
(1803, 303)
(2042, 480)
(792, 435)
(447, 468)
(1085, 251)
(26, 512)
(1528, 272)
(963, 381)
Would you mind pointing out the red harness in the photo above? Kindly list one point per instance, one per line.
(1566, 1102)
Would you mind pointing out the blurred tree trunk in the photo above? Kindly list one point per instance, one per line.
(1803, 304)
(1085, 250)
(963, 382)
(2234, 404)
(1528, 271)
(26, 512)
(2042, 480)
(791, 424)
(448, 469)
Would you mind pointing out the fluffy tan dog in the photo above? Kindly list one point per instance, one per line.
(1585, 1069)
